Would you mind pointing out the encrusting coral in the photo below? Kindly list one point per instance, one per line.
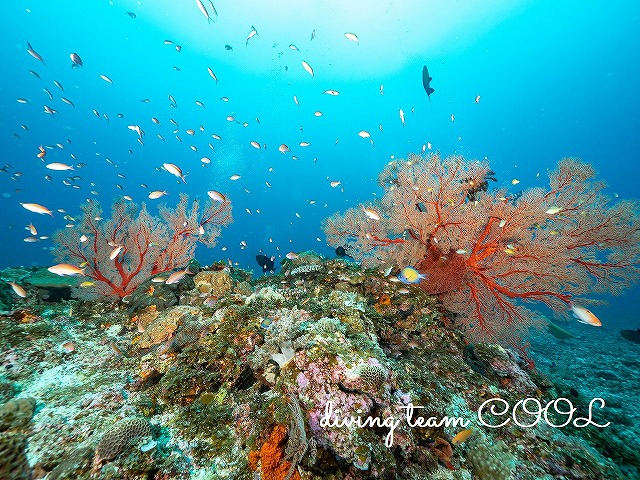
(270, 459)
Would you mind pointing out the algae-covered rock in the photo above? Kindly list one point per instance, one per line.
(164, 327)
(212, 284)
(73, 464)
(7, 389)
(51, 287)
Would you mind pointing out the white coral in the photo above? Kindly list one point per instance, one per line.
(265, 295)
(303, 269)
(286, 356)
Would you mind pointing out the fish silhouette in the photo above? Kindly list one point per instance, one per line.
(342, 252)
(266, 263)
(426, 79)
(631, 335)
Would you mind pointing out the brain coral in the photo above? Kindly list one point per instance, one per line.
(373, 376)
(115, 440)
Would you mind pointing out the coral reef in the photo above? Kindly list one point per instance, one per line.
(490, 462)
(270, 459)
(212, 285)
(16, 414)
(15, 423)
(159, 295)
(291, 376)
(133, 245)
(13, 459)
(163, 327)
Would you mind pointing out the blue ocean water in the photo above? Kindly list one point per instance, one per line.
(553, 80)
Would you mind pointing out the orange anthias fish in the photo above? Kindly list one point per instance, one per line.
(461, 436)
(585, 316)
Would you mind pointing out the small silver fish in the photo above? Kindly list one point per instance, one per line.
(203, 10)
(252, 33)
(34, 54)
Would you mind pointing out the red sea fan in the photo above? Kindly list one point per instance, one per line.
(487, 253)
(141, 244)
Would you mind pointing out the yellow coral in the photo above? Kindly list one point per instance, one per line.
(213, 283)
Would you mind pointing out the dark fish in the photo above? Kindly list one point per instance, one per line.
(35, 74)
(228, 47)
(631, 335)
(265, 262)
(426, 79)
(342, 252)
(131, 14)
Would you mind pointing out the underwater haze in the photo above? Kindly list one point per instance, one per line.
(289, 111)
(554, 80)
